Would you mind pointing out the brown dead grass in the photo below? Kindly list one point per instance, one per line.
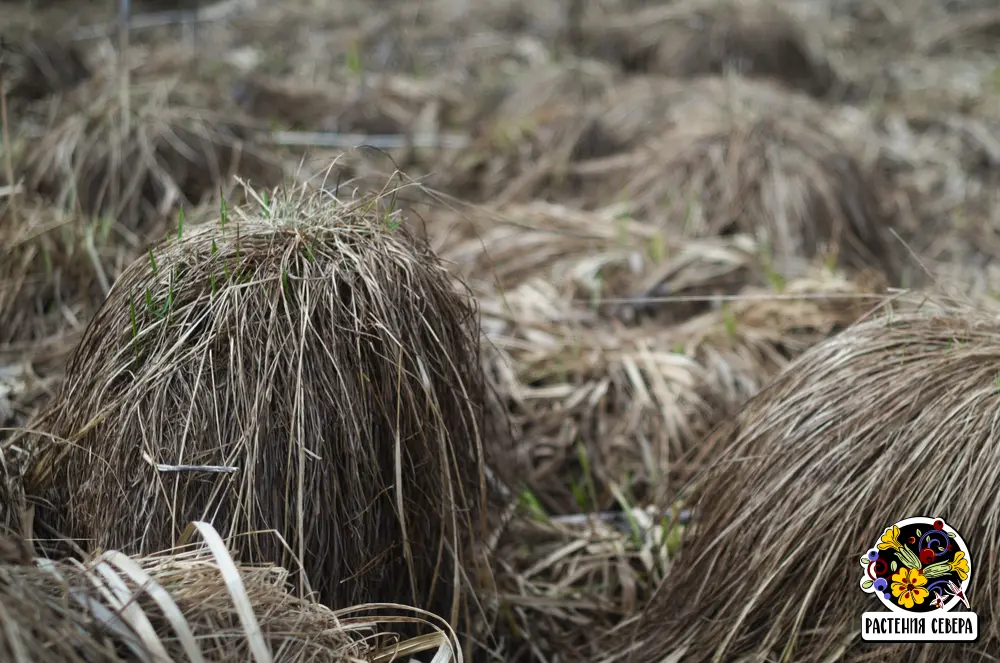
(309, 345)
(891, 418)
(141, 162)
(968, 30)
(34, 65)
(623, 345)
(709, 38)
(595, 402)
(703, 158)
(539, 125)
(625, 332)
(567, 581)
(55, 270)
(376, 105)
(746, 157)
(195, 606)
(435, 37)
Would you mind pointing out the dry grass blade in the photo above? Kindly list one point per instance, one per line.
(164, 602)
(441, 637)
(322, 357)
(231, 576)
(183, 605)
(891, 418)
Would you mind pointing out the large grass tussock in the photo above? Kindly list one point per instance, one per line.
(893, 418)
(34, 65)
(138, 159)
(300, 365)
(749, 157)
(687, 40)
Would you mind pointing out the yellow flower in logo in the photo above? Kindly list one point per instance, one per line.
(908, 587)
(890, 539)
(960, 565)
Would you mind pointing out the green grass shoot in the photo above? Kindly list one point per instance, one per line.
(223, 211)
(729, 320)
(531, 504)
(352, 60)
(588, 476)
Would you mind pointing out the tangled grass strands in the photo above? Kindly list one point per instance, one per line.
(383, 105)
(312, 350)
(172, 154)
(566, 585)
(972, 30)
(719, 156)
(893, 417)
(594, 401)
(197, 605)
(503, 247)
(601, 259)
(15, 514)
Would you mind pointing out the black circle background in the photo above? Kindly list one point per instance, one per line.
(939, 583)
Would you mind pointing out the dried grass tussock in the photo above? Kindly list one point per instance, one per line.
(139, 161)
(34, 65)
(378, 105)
(715, 156)
(195, 606)
(894, 417)
(300, 365)
(749, 157)
(540, 123)
(756, 40)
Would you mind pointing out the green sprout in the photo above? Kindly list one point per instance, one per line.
(223, 211)
(531, 503)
